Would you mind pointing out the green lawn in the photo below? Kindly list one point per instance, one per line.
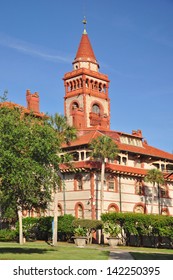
(143, 253)
(151, 256)
(43, 251)
(68, 251)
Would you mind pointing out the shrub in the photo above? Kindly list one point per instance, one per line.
(88, 224)
(65, 227)
(80, 231)
(29, 225)
(44, 228)
(141, 225)
(112, 229)
(7, 235)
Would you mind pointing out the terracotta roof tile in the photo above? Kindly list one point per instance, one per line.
(24, 109)
(145, 149)
(85, 50)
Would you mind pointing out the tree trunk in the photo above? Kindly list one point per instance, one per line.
(20, 226)
(102, 187)
(55, 220)
(152, 198)
(158, 190)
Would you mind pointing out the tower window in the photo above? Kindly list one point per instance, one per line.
(96, 109)
(75, 105)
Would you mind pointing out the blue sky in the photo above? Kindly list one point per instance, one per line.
(132, 40)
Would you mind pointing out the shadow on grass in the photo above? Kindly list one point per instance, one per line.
(6, 250)
(151, 256)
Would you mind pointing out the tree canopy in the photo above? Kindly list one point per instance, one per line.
(29, 160)
(103, 147)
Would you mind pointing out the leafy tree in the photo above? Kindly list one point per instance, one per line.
(4, 98)
(103, 147)
(29, 161)
(154, 176)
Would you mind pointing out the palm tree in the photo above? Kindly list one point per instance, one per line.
(154, 176)
(66, 134)
(103, 147)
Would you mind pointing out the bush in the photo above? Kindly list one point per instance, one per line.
(88, 224)
(7, 235)
(65, 227)
(80, 231)
(44, 228)
(155, 227)
(29, 225)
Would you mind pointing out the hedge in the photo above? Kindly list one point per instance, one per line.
(88, 224)
(154, 226)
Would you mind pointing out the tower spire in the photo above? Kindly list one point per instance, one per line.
(84, 22)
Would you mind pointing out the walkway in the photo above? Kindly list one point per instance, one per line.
(120, 255)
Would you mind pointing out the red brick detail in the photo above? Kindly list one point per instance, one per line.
(77, 205)
(113, 205)
(140, 204)
(32, 101)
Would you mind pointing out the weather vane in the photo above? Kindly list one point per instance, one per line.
(84, 22)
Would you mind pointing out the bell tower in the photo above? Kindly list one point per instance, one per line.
(86, 101)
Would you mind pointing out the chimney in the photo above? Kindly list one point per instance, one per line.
(32, 101)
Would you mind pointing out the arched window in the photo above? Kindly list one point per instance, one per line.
(71, 86)
(75, 105)
(79, 210)
(87, 83)
(78, 182)
(96, 109)
(100, 87)
(139, 208)
(165, 211)
(113, 208)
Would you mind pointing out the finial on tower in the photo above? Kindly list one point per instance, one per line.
(84, 22)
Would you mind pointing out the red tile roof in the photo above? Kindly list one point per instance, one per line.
(88, 134)
(24, 109)
(85, 51)
(110, 167)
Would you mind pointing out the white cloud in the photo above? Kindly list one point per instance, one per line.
(30, 49)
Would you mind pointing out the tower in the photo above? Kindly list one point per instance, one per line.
(86, 101)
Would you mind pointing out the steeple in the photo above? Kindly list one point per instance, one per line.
(85, 57)
(86, 101)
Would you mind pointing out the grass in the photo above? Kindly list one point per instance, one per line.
(43, 251)
(143, 253)
(67, 251)
(151, 256)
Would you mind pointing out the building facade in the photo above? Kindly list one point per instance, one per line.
(87, 107)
